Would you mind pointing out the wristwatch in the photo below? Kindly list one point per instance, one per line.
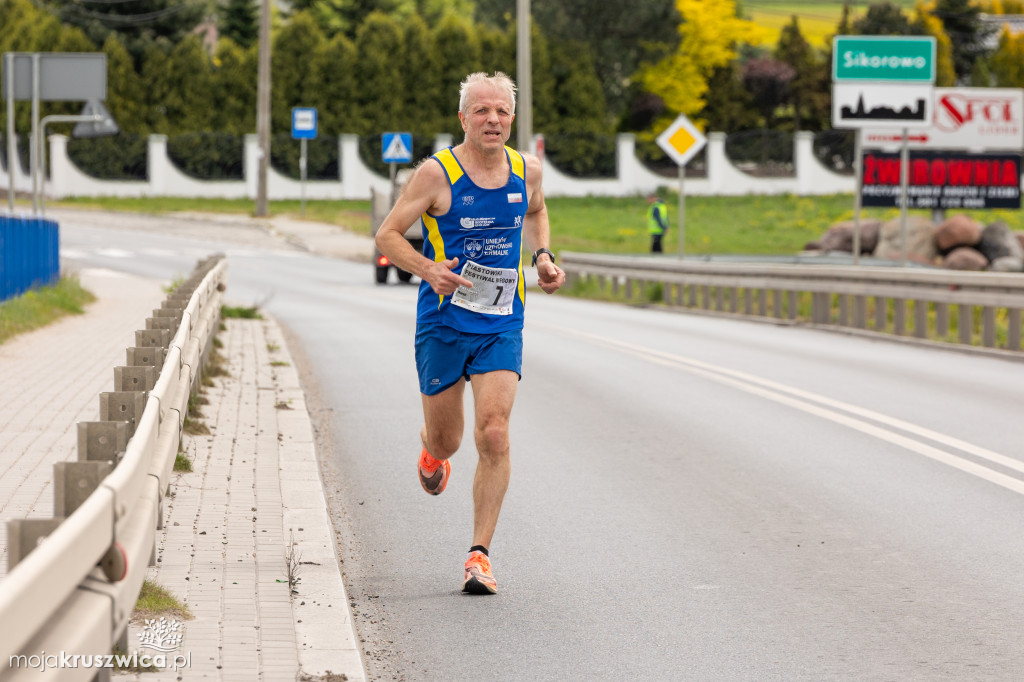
(540, 251)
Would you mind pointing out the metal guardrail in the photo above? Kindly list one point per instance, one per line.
(29, 254)
(74, 579)
(960, 308)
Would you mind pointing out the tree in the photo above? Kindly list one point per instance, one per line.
(1007, 60)
(458, 48)
(240, 21)
(966, 31)
(125, 92)
(190, 90)
(729, 104)
(137, 23)
(794, 50)
(883, 19)
(945, 73)
(346, 16)
(422, 79)
(234, 88)
(293, 81)
(621, 35)
(335, 98)
(768, 80)
(708, 37)
(380, 85)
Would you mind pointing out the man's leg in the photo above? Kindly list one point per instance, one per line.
(443, 421)
(493, 395)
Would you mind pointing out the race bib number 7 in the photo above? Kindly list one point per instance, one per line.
(493, 289)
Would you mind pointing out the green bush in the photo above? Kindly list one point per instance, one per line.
(208, 156)
(121, 157)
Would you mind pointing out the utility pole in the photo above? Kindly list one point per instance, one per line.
(524, 109)
(263, 109)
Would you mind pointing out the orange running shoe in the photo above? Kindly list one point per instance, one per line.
(478, 575)
(433, 473)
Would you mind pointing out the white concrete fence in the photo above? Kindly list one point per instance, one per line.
(356, 180)
(74, 579)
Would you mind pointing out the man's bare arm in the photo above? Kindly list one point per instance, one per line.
(421, 193)
(536, 229)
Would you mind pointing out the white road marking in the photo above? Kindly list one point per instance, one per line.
(804, 401)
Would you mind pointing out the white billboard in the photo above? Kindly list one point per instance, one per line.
(978, 119)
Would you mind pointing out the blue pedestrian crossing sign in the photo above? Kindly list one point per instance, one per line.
(303, 123)
(396, 147)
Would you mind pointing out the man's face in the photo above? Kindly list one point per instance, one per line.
(487, 120)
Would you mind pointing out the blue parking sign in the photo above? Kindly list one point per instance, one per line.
(303, 123)
(396, 147)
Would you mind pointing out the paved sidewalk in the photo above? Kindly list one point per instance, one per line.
(252, 506)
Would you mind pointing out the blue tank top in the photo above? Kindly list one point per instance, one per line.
(484, 229)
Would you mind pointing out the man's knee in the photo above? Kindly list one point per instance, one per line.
(492, 439)
(443, 445)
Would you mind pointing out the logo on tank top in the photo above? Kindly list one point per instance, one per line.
(468, 223)
(474, 248)
(467, 200)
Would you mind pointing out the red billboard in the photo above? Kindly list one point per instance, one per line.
(943, 180)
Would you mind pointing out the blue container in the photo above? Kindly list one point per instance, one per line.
(29, 254)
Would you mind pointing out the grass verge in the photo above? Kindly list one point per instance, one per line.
(39, 307)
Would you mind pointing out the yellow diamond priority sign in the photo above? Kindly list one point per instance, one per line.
(681, 140)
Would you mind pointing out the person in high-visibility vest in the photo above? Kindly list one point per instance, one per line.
(657, 221)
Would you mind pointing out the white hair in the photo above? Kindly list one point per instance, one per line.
(499, 80)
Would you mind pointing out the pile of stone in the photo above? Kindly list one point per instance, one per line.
(958, 243)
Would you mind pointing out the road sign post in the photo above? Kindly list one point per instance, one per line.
(395, 148)
(303, 128)
(681, 141)
(878, 81)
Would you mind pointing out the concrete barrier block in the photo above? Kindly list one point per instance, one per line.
(123, 406)
(153, 338)
(172, 313)
(152, 357)
(138, 378)
(160, 323)
(102, 441)
(24, 535)
(73, 482)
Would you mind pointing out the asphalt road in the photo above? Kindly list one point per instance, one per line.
(692, 498)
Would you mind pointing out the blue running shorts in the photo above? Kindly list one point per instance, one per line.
(445, 355)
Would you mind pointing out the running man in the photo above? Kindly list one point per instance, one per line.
(477, 201)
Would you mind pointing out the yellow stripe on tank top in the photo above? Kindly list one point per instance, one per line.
(435, 239)
(522, 284)
(518, 164)
(452, 166)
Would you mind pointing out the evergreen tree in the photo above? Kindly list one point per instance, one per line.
(883, 19)
(334, 68)
(945, 73)
(458, 48)
(240, 21)
(190, 90)
(154, 72)
(137, 23)
(966, 31)
(293, 82)
(125, 92)
(422, 80)
(794, 50)
(729, 105)
(234, 88)
(380, 83)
